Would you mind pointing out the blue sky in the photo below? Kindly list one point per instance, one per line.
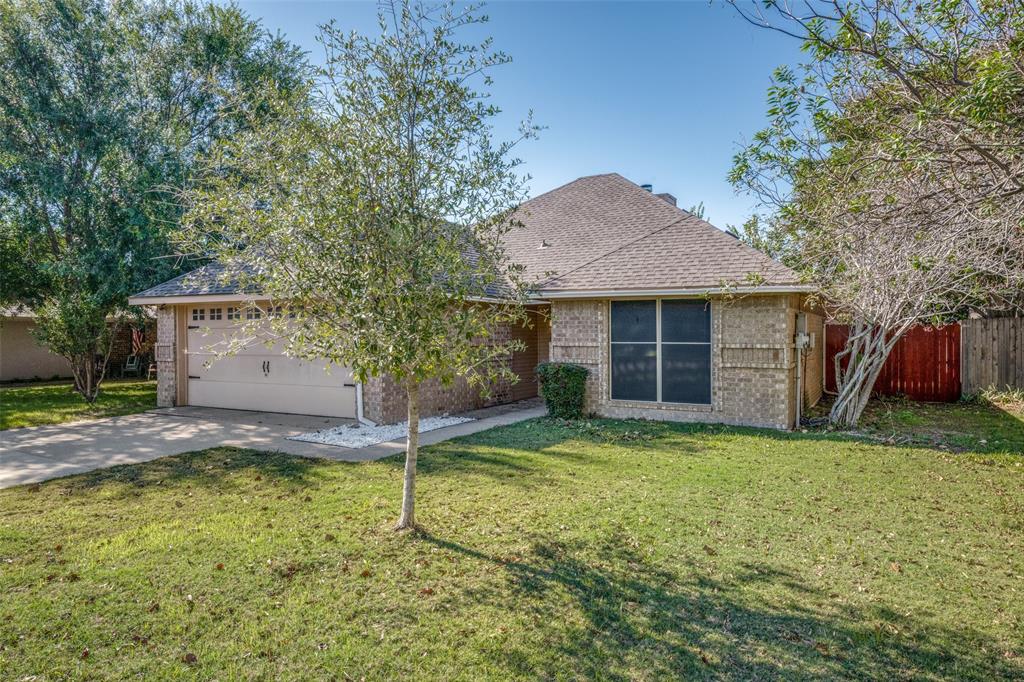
(661, 92)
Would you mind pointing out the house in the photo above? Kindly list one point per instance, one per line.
(675, 319)
(22, 358)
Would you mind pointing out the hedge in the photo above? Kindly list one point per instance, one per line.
(563, 386)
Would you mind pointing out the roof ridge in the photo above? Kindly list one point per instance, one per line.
(683, 214)
(567, 184)
(767, 261)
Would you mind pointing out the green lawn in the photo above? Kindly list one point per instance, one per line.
(608, 550)
(36, 404)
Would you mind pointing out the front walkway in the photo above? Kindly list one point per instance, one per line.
(38, 453)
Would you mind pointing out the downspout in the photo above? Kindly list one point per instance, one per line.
(799, 383)
(826, 367)
(800, 344)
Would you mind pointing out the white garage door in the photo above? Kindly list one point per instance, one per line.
(258, 377)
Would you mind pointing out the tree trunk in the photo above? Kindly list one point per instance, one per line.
(83, 367)
(408, 518)
(88, 371)
(868, 349)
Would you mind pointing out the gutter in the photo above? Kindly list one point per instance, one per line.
(221, 298)
(543, 296)
(197, 298)
(614, 293)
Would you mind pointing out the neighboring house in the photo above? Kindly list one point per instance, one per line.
(22, 358)
(674, 318)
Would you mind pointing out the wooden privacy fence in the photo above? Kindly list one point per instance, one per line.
(993, 354)
(923, 365)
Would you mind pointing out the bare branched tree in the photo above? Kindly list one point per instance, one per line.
(892, 168)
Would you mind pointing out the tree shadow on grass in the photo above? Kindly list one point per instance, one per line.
(629, 617)
(216, 467)
(528, 454)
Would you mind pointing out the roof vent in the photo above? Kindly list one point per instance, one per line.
(544, 244)
(649, 187)
(667, 197)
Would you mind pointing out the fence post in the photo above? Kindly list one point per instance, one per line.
(964, 369)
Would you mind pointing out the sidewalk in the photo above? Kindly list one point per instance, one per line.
(483, 419)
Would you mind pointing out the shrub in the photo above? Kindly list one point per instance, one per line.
(1011, 398)
(563, 385)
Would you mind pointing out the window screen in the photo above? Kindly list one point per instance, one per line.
(683, 351)
(634, 354)
(634, 371)
(686, 321)
(634, 321)
(686, 352)
(686, 373)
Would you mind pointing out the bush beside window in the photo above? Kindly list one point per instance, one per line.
(563, 386)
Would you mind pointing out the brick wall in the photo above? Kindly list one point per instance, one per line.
(384, 398)
(578, 332)
(753, 379)
(121, 347)
(165, 353)
(543, 323)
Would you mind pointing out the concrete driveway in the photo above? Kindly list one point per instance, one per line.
(41, 452)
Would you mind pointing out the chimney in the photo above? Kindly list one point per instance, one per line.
(667, 197)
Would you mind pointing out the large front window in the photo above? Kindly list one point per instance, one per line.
(661, 351)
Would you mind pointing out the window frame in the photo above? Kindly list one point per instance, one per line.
(658, 354)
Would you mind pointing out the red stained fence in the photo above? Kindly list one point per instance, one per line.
(924, 364)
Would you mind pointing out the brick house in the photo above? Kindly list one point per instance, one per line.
(675, 319)
(23, 358)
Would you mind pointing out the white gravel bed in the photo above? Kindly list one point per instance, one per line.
(360, 435)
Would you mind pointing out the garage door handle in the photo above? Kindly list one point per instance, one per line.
(192, 377)
(349, 385)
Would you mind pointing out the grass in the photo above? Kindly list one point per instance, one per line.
(611, 550)
(38, 404)
(980, 423)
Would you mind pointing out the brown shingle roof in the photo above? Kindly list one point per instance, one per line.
(601, 232)
(604, 232)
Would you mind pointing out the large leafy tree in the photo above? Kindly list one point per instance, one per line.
(104, 108)
(373, 219)
(892, 168)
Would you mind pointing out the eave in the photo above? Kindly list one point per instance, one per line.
(690, 291)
